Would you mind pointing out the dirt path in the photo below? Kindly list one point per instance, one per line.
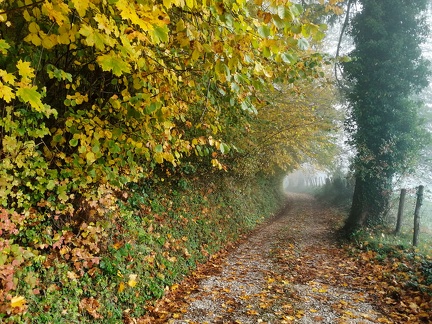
(289, 271)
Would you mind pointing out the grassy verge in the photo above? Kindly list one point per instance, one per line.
(405, 237)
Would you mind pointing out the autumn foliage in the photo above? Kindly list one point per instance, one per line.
(97, 95)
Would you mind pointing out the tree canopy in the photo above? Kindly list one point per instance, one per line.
(101, 92)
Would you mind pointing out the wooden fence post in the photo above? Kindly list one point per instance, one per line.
(417, 214)
(400, 211)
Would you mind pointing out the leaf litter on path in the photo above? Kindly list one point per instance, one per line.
(290, 270)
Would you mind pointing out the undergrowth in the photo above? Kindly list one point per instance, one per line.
(111, 267)
(405, 266)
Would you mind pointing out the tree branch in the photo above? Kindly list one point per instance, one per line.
(22, 7)
(340, 41)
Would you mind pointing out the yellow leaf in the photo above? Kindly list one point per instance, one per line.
(24, 69)
(57, 12)
(413, 306)
(90, 157)
(168, 3)
(81, 6)
(158, 157)
(6, 93)
(33, 28)
(34, 39)
(26, 15)
(49, 42)
(186, 253)
(132, 280)
(105, 24)
(7, 77)
(252, 312)
(128, 12)
(121, 287)
(174, 287)
(117, 245)
(18, 301)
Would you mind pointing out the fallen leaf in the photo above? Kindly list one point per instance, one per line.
(18, 301)
(132, 280)
(121, 287)
(91, 305)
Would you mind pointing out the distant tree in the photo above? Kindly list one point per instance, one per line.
(386, 71)
(297, 125)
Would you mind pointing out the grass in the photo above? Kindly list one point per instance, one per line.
(405, 237)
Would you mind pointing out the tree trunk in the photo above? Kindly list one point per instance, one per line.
(417, 214)
(400, 211)
(358, 213)
(370, 201)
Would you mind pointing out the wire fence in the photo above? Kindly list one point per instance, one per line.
(407, 224)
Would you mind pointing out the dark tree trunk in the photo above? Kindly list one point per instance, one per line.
(400, 211)
(358, 213)
(370, 202)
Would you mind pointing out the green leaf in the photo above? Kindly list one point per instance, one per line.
(303, 44)
(3, 258)
(62, 192)
(289, 58)
(159, 148)
(247, 106)
(224, 148)
(296, 29)
(152, 107)
(4, 46)
(50, 185)
(131, 112)
(160, 34)
(296, 9)
(306, 30)
(114, 147)
(111, 62)
(96, 148)
(99, 41)
(235, 87)
(282, 11)
(264, 31)
(279, 23)
(32, 97)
